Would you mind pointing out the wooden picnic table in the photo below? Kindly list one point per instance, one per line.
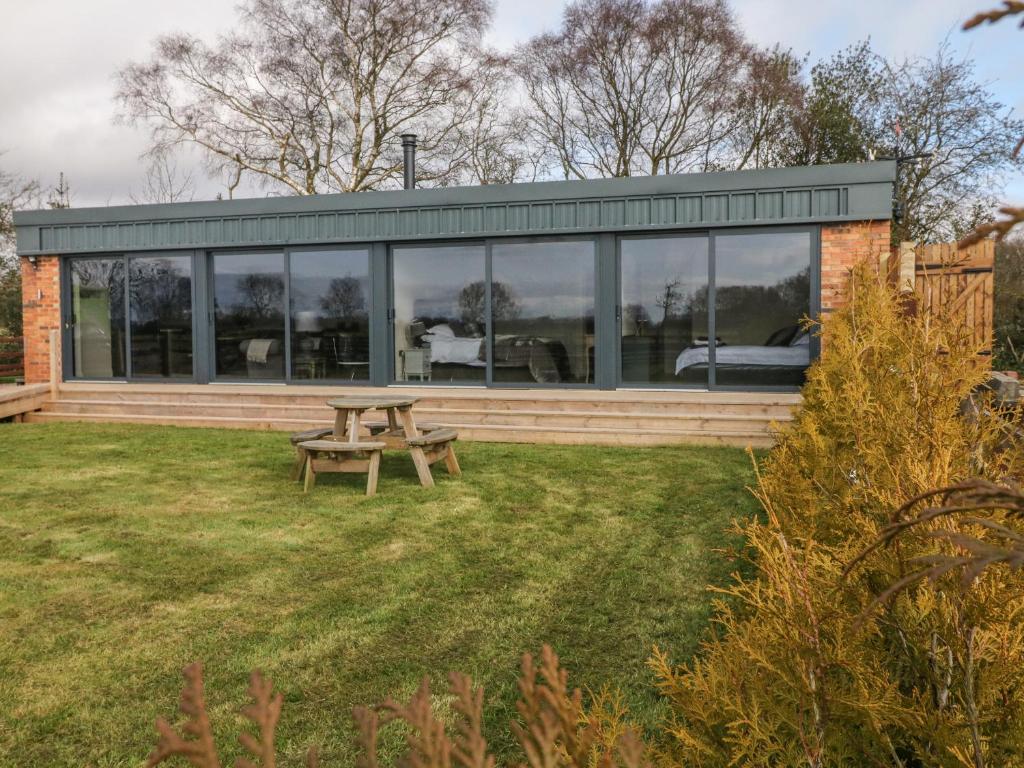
(349, 411)
(400, 429)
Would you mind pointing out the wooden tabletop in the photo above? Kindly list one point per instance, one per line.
(366, 403)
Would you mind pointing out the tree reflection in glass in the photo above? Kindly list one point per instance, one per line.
(330, 300)
(762, 297)
(160, 305)
(664, 309)
(249, 315)
(98, 317)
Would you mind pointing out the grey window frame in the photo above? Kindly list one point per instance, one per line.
(67, 339)
(607, 371)
(286, 252)
(488, 244)
(813, 230)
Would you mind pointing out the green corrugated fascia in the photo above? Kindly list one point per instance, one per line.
(854, 191)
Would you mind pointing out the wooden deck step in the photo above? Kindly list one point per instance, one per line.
(486, 433)
(621, 417)
(769, 406)
(459, 417)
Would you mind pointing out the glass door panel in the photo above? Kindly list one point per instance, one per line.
(97, 318)
(440, 322)
(664, 310)
(542, 307)
(249, 315)
(762, 295)
(160, 307)
(330, 306)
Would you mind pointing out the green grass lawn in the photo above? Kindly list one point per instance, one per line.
(128, 551)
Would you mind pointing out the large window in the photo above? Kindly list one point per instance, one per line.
(330, 314)
(249, 315)
(664, 310)
(97, 318)
(160, 306)
(542, 304)
(762, 295)
(440, 321)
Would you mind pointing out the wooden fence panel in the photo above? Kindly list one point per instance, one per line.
(960, 283)
(12, 356)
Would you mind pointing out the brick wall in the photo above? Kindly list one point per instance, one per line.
(843, 246)
(40, 294)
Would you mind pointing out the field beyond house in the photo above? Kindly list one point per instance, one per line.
(127, 552)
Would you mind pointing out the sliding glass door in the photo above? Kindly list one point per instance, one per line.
(249, 315)
(97, 318)
(762, 296)
(330, 314)
(542, 304)
(160, 311)
(440, 324)
(753, 289)
(664, 310)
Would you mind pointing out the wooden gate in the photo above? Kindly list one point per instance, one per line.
(957, 282)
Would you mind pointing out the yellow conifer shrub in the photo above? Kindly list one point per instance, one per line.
(804, 667)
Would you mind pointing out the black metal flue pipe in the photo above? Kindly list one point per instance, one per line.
(409, 157)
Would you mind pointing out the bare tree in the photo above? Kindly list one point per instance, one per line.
(965, 137)
(164, 182)
(628, 87)
(766, 109)
(312, 95)
(15, 193)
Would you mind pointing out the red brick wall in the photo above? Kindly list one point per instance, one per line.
(843, 246)
(40, 294)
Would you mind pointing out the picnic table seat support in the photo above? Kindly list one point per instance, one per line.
(433, 447)
(318, 433)
(337, 456)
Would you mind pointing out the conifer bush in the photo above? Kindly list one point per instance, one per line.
(811, 665)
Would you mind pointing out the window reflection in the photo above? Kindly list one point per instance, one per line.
(543, 312)
(762, 294)
(160, 304)
(249, 315)
(330, 304)
(440, 313)
(97, 310)
(664, 310)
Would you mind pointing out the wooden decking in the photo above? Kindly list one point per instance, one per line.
(623, 417)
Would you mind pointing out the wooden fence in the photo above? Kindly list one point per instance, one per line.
(12, 356)
(958, 282)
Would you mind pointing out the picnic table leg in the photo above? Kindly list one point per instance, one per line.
(392, 420)
(340, 423)
(451, 462)
(408, 422)
(299, 465)
(371, 476)
(419, 459)
(353, 435)
(310, 474)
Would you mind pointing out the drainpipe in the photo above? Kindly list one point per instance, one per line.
(409, 157)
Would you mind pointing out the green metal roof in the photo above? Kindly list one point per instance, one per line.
(810, 194)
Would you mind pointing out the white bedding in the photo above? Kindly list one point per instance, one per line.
(797, 356)
(454, 349)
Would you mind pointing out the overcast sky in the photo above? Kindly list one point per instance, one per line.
(57, 59)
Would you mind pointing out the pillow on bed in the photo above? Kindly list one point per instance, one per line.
(442, 330)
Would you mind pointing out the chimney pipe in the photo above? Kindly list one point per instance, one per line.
(409, 157)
